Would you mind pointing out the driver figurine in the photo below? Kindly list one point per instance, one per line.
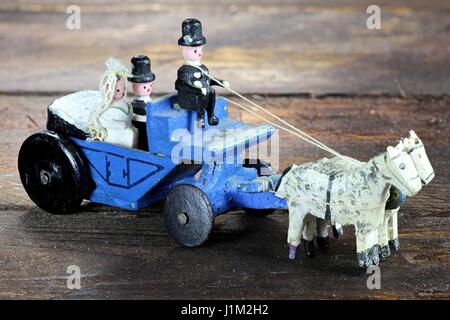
(193, 85)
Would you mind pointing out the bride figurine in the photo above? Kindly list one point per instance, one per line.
(110, 121)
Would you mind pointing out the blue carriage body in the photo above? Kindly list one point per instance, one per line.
(180, 153)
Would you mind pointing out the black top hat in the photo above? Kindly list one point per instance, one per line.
(192, 36)
(142, 70)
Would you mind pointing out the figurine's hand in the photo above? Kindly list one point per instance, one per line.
(226, 84)
(197, 84)
(204, 91)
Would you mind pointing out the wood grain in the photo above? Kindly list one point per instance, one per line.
(282, 47)
(123, 255)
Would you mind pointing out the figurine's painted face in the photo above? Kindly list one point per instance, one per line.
(119, 93)
(143, 89)
(192, 53)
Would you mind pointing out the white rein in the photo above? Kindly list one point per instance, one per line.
(293, 130)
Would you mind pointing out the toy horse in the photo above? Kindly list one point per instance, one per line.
(387, 232)
(346, 191)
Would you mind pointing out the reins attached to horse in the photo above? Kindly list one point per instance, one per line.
(290, 128)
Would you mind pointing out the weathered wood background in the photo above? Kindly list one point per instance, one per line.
(268, 46)
(312, 62)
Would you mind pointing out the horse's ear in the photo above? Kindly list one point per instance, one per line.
(392, 152)
(408, 143)
(400, 145)
(412, 135)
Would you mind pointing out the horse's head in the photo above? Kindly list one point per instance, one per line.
(414, 146)
(402, 171)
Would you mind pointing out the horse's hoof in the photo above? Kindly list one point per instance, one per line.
(375, 255)
(323, 243)
(368, 257)
(394, 244)
(310, 248)
(337, 232)
(385, 251)
(292, 252)
(363, 259)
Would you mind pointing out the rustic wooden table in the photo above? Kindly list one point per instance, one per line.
(311, 62)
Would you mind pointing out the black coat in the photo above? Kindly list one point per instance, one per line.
(189, 96)
(139, 106)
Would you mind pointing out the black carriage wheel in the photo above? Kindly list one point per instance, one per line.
(188, 215)
(52, 172)
(264, 169)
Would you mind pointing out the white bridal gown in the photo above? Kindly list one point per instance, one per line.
(117, 121)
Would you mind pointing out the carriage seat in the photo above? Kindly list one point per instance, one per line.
(69, 115)
(175, 132)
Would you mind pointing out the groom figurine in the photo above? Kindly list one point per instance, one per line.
(193, 85)
(141, 78)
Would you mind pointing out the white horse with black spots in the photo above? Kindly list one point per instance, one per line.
(388, 230)
(346, 191)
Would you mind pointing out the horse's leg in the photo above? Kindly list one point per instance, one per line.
(323, 241)
(366, 246)
(296, 218)
(394, 242)
(309, 233)
(383, 236)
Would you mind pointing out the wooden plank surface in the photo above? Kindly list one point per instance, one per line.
(289, 46)
(123, 255)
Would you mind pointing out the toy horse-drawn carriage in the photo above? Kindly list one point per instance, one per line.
(199, 170)
(59, 168)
